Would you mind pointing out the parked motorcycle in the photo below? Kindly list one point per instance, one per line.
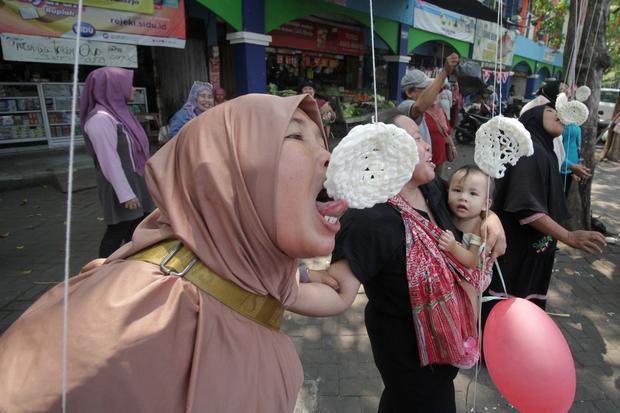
(465, 131)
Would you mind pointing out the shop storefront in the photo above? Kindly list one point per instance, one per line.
(522, 70)
(436, 34)
(329, 54)
(332, 52)
(37, 64)
(35, 98)
(496, 64)
(534, 63)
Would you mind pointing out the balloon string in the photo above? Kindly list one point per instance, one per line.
(374, 70)
(65, 315)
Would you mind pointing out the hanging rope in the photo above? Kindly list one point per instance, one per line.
(374, 70)
(65, 320)
(583, 16)
(569, 76)
(598, 26)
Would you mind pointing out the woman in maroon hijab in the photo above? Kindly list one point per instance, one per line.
(120, 149)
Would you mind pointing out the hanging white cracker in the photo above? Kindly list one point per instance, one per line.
(500, 141)
(371, 164)
(582, 93)
(571, 112)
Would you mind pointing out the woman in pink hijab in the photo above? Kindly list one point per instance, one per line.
(186, 317)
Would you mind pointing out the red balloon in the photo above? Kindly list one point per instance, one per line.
(528, 358)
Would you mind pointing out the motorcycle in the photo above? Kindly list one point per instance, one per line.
(465, 131)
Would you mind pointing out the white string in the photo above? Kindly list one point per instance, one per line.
(598, 26)
(569, 76)
(65, 321)
(497, 81)
(501, 58)
(582, 15)
(374, 70)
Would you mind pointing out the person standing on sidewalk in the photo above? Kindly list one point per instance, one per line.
(200, 100)
(328, 115)
(420, 92)
(530, 202)
(419, 319)
(120, 148)
(443, 147)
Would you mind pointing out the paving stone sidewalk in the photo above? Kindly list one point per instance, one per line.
(339, 370)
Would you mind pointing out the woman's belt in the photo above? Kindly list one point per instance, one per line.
(173, 258)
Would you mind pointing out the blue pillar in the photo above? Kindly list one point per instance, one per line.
(506, 88)
(397, 65)
(249, 49)
(532, 83)
(531, 86)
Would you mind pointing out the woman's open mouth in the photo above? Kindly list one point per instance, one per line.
(331, 211)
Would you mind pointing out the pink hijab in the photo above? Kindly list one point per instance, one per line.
(108, 89)
(215, 187)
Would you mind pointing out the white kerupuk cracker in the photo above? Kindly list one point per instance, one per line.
(572, 111)
(582, 93)
(371, 164)
(500, 141)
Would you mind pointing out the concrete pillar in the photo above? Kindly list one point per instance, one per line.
(249, 58)
(249, 49)
(396, 67)
(531, 86)
(397, 64)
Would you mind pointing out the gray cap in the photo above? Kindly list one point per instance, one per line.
(415, 79)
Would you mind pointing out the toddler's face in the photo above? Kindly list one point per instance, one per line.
(467, 195)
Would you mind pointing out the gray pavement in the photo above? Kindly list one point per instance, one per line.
(339, 369)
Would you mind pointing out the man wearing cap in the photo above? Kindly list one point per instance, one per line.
(421, 92)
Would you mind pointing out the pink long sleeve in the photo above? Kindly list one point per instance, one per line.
(101, 129)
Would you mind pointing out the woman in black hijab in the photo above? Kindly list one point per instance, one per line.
(551, 90)
(530, 202)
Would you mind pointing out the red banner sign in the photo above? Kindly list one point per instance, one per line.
(309, 35)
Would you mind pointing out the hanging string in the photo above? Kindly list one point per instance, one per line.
(65, 318)
(598, 26)
(583, 16)
(497, 81)
(569, 76)
(501, 57)
(374, 70)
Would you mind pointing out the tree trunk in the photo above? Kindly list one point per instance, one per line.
(592, 60)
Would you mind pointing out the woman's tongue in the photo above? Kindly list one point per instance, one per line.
(332, 208)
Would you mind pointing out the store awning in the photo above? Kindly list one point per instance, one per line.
(471, 8)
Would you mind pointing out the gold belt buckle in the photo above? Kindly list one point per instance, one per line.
(170, 271)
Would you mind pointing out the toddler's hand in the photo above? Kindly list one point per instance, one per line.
(446, 241)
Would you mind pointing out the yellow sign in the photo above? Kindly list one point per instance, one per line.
(134, 6)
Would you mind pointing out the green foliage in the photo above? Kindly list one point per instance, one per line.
(551, 17)
(613, 37)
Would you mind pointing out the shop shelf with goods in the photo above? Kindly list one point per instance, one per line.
(139, 107)
(357, 107)
(21, 119)
(351, 107)
(37, 115)
(57, 98)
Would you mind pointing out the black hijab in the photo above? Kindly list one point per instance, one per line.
(534, 184)
(550, 90)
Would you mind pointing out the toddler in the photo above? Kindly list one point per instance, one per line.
(468, 201)
(469, 197)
